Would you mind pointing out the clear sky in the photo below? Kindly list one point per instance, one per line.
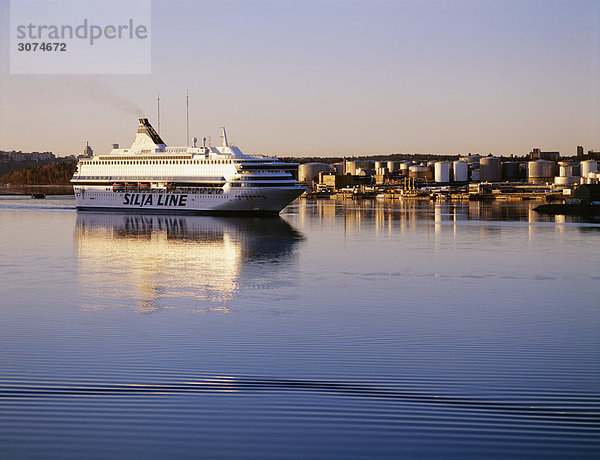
(334, 78)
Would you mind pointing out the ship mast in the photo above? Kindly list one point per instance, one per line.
(187, 118)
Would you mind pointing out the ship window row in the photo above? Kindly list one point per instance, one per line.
(161, 162)
(263, 184)
(269, 177)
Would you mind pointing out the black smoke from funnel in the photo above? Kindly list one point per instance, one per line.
(89, 89)
(97, 90)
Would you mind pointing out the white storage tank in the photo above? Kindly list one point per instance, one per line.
(442, 172)
(365, 172)
(490, 169)
(310, 171)
(338, 168)
(393, 166)
(476, 175)
(404, 167)
(587, 167)
(540, 171)
(472, 160)
(566, 180)
(461, 171)
(353, 166)
(566, 168)
(380, 164)
(420, 171)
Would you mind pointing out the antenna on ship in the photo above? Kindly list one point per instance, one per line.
(187, 118)
(158, 111)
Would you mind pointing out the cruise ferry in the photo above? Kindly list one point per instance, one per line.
(149, 176)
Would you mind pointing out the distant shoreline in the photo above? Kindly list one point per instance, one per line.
(29, 189)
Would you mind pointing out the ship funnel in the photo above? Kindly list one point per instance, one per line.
(224, 136)
(146, 128)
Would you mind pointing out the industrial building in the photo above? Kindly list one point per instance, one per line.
(539, 175)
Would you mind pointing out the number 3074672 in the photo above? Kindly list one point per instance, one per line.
(43, 46)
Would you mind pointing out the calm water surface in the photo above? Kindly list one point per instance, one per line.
(340, 330)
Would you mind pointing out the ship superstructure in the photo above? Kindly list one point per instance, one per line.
(150, 176)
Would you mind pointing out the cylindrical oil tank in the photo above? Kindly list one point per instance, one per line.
(350, 167)
(592, 177)
(393, 166)
(380, 164)
(568, 169)
(587, 167)
(490, 169)
(404, 167)
(511, 171)
(310, 171)
(540, 171)
(442, 172)
(472, 160)
(461, 171)
(566, 180)
(353, 166)
(576, 171)
(476, 174)
(339, 168)
(420, 171)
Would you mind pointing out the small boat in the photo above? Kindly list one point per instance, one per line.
(38, 196)
(569, 209)
(584, 201)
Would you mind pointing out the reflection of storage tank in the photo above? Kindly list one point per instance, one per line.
(420, 171)
(587, 167)
(442, 172)
(393, 166)
(353, 166)
(511, 170)
(461, 171)
(540, 171)
(476, 175)
(490, 169)
(310, 171)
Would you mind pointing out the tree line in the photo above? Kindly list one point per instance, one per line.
(59, 173)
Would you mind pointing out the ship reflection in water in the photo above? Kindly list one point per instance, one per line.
(199, 262)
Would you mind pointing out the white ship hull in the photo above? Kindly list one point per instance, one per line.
(151, 177)
(262, 200)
